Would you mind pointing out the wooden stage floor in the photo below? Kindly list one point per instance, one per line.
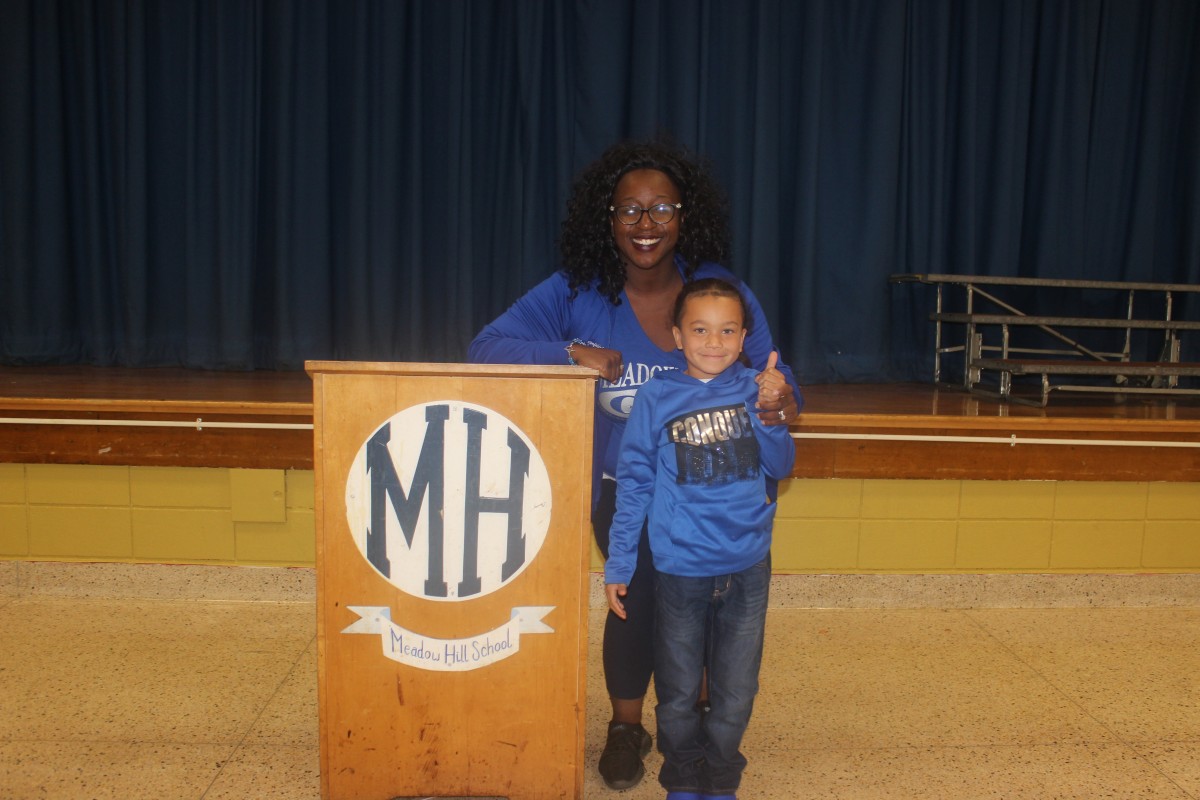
(261, 419)
(925, 431)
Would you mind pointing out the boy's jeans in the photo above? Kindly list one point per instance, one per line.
(725, 614)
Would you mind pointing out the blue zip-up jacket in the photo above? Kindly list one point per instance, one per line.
(537, 328)
(696, 460)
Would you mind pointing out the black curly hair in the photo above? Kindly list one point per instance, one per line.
(588, 251)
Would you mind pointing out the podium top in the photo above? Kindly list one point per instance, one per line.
(418, 369)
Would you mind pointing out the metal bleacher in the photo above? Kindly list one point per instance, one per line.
(1067, 363)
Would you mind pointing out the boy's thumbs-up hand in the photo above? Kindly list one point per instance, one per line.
(776, 404)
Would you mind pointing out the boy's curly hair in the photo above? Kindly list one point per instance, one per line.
(588, 251)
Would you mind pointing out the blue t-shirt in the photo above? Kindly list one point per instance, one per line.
(537, 328)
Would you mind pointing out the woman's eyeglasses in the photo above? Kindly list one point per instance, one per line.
(660, 214)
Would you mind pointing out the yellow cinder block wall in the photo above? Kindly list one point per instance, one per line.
(157, 514)
(847, 526)
(265, 517)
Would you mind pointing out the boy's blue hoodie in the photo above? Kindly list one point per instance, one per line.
(695, 459)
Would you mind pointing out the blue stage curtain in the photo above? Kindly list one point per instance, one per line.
(236, 184)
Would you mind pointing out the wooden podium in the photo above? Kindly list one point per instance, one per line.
(452, 516)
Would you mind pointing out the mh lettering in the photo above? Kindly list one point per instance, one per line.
(435, 470)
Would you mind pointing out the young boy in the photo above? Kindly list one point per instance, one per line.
(695, 459)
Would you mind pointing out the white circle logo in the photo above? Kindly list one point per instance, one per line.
(448, 500)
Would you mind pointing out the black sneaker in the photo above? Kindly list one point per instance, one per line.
(621, 762)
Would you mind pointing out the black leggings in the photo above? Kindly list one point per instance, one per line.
(628, 643)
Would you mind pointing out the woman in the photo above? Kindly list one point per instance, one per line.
(642, 220)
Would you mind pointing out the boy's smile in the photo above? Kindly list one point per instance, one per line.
(710, 333)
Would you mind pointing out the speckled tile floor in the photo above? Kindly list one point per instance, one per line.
(129, 699)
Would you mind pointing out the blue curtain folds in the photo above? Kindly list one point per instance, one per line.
(236, 184)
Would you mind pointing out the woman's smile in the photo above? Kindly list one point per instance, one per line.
(646, 245)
